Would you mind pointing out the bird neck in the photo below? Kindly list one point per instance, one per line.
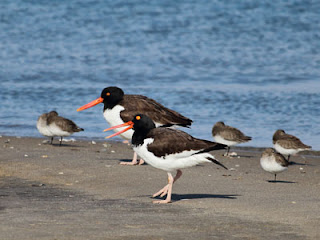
(139, 136)
(109, 105)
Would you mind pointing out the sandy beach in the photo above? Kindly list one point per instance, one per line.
(79, 191)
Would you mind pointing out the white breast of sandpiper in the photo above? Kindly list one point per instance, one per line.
(269, 164)
(112, 116)
(43, 128)
(172, 162)
(221, 140)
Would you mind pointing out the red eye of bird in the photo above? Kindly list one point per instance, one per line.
(108, 94)
(138, 117)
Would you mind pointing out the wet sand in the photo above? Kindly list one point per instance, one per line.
(79, 191)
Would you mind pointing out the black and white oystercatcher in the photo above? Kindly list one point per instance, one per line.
(120, 108)
(167, 149)
(287, 144)
(228, 135)
(60, 126)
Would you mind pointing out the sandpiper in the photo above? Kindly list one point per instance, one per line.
(273, 162)
(287, 144)
(228, 135)
(60, 126)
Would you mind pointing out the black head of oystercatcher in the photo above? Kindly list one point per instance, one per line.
(120, 108)
(168, 149)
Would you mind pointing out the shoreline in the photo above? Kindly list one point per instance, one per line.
(96, 139)
(80, 191)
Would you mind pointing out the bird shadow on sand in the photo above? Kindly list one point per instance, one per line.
(298, 164)
(243, 156)
(238, 156)
(64, 145)
(129, 160)
(178, 197)
(125, 160)
(279, 181)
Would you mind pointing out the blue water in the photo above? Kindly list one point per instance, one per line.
(253, 64)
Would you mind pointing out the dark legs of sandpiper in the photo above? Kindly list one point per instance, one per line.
(60, 141)
(227, 153)
(275, 179)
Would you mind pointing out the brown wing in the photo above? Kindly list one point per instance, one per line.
(281, 160)
(233, 134)
(135, 104)
(290, 141)
(170, 141)
(64, 124)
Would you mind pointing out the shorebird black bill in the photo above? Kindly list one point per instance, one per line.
(130, 123)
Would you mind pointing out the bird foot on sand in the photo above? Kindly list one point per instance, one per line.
(162, 192)
(162, 201)
(126, 142)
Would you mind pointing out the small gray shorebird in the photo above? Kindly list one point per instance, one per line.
(60, 126)
(287, 144)
(273, 162)
(167, 149)
(42, 125)
(228, 135)
(120, 108)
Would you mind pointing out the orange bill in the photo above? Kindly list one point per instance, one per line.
(130, 123)
(90, 104)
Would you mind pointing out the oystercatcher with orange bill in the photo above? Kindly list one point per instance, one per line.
(167, 149)
(120, 108)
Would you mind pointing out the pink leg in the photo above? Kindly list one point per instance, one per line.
(166, 188)
(141, 161)
(162, 191)
(169, 190)
(134, 160)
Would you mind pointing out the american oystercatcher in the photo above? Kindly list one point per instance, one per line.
(61, 127)
(273, 162)
(287, 144)
(42, 125)
(228, 135)
(120, 108)
(167, 149)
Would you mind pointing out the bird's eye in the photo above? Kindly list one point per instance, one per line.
(108, 94)
(138, 117)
